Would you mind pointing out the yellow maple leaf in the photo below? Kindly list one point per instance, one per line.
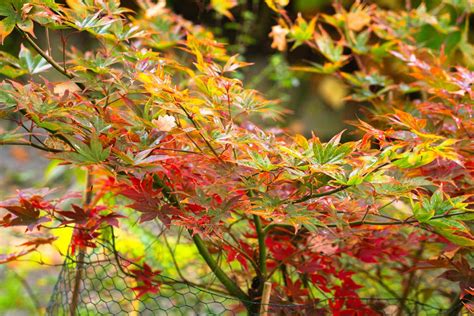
(275, 4)
(6, 27)
(223, 7)
(358, 17)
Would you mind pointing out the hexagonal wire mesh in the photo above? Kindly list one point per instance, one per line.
(104, 289)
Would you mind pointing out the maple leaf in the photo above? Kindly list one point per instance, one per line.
(358, 17)
(235, 254)
(165, 123)
(463, 274)
(281, 248)
(33, 64)
(6, 27)
(36, 241)
(302, 30)
(148, 200)
(146, 280)
(279, 34)
(5, 258)
(14, 15)
(223, 7)
(295, 290)
(91, 217)
(78, 215)
(82, 238)
(26, 210)
(155, 9)
(275, 5)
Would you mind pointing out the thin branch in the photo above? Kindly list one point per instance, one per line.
(317, 195)
(31, 134)
(262, 250)
(51, 150)
(200, 134)
(409, 284)
(173, 258)
(233, 288)
(380, 282)
(118, 257)
(369, 223)
(250, 259)
(458, 305)
(228, 283)
(51, 61)
(179, 150)
(330, 192)
(285, 261)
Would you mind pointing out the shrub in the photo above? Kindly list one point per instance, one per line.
(164, 129)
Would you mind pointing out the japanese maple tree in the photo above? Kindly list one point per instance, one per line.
(166, 131)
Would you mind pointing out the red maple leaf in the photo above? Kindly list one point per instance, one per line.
(26, 209)
(145, 278)
(235, 254)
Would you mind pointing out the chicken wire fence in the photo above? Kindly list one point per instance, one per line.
(103, 288)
